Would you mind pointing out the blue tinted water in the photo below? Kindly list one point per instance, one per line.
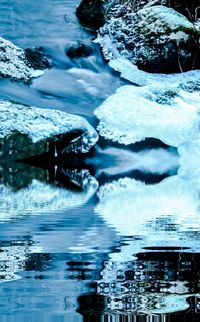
(93, 253)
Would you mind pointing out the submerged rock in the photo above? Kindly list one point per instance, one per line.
(28, 131)
(14, 63)
(157, 39)
(79, 50)
(164, 112)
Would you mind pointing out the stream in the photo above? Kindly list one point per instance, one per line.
(112, 237)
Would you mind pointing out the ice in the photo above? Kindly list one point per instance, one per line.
(131, 73)
(168, 112)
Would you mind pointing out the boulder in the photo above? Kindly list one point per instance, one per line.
(37, 58)
(91, 13)
(165, 41)
(157, 39)
(15, 63)
(29, 131)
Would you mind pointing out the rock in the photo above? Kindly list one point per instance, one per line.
(37, 58)
(168, 113)
(157, 39)
(30, 131)
(79, 50)
(91, 13)
(14, 63)
(165, 41)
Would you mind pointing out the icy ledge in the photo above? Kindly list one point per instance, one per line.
(130, 72)
(165, 111)
(13, 62)
(27, 131)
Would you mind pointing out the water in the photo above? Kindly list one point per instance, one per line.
(104, 249)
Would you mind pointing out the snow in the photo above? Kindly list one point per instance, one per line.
(131, 73)
(13, 62)
(43, 124)
(162, 111)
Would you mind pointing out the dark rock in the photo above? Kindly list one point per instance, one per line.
(79, 50)
(29, 131)
(91, 13)
(37, 58)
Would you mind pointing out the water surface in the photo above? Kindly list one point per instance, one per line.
(116, 249)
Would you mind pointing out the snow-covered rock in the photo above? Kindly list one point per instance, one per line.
(27, 131)
(165, 112)
(156, 38)
(14, 63)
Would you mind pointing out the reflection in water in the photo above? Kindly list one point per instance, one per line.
(151, 287)
(156, 282)
(12, 259)
(27, 190)
(166, 213)
(140, 244)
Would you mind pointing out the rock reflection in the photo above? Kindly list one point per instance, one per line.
(151, 287)
(26, 190)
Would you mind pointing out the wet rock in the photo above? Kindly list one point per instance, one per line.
(37, 58)
(30, 131)
(157, 39)
(79, 50)
(14, 64)
(91, 13)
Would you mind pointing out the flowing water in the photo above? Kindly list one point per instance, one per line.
(122, 247)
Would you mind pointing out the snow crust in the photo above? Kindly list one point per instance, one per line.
(168, 112)
(43, 124)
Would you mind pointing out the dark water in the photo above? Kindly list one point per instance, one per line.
(71, 249)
